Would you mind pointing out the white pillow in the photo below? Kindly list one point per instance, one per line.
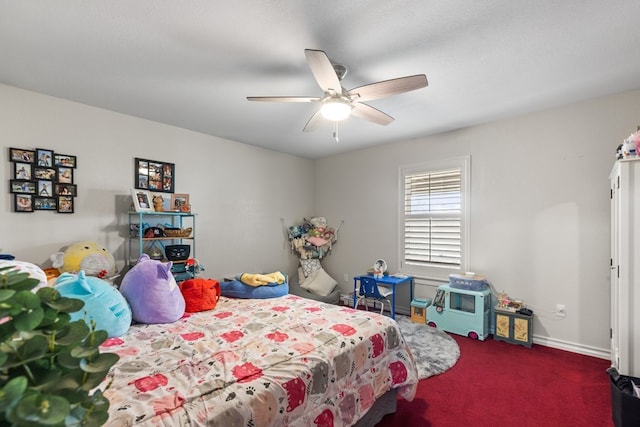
(319, 283)
(309, 266)
(301, 276)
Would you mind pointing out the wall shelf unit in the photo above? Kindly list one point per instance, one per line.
(155, 247)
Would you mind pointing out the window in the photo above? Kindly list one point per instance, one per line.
(433, 219)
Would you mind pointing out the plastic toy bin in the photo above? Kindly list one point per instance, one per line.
(625, 407)
(419, 310)
(469, 283)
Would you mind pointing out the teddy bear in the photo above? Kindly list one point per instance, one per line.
(86, 255)
(157, 203)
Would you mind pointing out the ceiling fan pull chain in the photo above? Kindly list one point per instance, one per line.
(335, 132)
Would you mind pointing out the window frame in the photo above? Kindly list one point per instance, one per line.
(436, 271)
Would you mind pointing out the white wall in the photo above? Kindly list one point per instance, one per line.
(238, 191)
(539, 200)
(539, 210)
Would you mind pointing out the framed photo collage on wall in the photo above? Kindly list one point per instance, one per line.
(42, 180)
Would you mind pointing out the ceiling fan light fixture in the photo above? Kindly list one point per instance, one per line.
(336, 109)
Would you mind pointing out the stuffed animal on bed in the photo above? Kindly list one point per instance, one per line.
(87, 255)
(102, 302)
(34, 271)
(152, 292)
(200, 294)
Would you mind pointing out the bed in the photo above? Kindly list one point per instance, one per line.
(286, 361)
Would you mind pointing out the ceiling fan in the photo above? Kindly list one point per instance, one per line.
(338, 103)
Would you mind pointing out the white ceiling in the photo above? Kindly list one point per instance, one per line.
(193, 63)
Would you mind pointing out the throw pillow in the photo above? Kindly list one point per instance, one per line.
(319, 283)
(309, 266)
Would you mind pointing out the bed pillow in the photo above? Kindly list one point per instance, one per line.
(309, 266)
(34, 271)
(237, 289)
(319, 283)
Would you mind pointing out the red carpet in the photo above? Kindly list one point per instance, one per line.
(500, 384)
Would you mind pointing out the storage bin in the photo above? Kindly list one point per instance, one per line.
(625, 407)
(419, 310)
(469, 283)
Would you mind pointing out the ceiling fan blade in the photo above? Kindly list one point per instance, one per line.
(323, 71)
(388, 87)
(374, 115)
(284, 98)
(313, 121)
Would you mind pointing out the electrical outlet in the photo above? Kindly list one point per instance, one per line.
(561, 310)
(346, 277)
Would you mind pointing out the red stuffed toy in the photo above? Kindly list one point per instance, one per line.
(200, 294)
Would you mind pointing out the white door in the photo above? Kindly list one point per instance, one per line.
(615, 280)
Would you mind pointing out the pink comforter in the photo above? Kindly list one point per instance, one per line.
(285, 361)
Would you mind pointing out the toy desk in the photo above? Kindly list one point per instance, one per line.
(391, 281)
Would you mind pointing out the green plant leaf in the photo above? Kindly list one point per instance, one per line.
(93, 412)
(27, 299)
(23, 284)
(96, 419)
(97, 401)
(98, 338)
(51, 318)
(102, 363)
(48, 295)
(71, 381)
(66, 360)
(83, 352)
(79, 380)
(92, 381)
(67, 305)
(5, 294)
(28, 351)
(41, 351)
(73, 333)
(11, 391)
(43, 408)
(30, 319)
(46, 378)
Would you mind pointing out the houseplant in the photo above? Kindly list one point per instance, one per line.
(49, 365)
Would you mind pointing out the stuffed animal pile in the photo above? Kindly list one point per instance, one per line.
(313, 238)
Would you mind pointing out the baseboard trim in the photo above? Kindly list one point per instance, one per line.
(600, 353)
(586, 350)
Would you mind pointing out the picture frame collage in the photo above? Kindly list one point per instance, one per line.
(154, 176)
(42, 180)
(153, 179)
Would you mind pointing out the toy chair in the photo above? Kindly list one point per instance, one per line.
(369, 289)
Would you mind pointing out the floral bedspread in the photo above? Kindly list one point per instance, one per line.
(285, 361)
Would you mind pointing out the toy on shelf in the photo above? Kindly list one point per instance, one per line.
(630, 147)
(506, 303)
